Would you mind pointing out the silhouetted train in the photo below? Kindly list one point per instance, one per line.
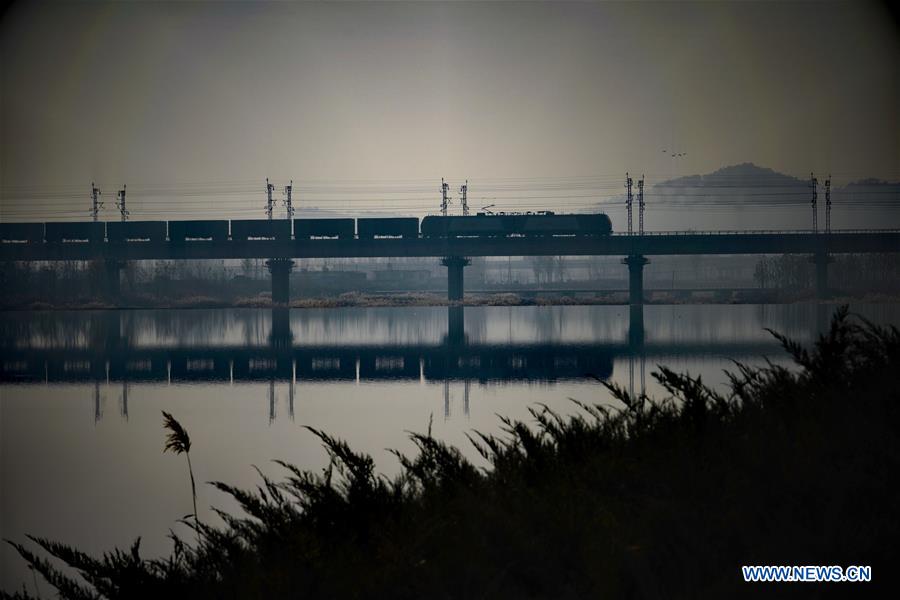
(477, 226)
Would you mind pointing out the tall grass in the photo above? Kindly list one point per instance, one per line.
(179, 442)
(655, 498)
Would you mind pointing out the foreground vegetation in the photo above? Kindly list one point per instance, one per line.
(657, 499)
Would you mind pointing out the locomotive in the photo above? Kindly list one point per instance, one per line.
(482, 225)
(516, 225)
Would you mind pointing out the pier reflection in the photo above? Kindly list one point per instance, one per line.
(115, 350)
(110, 357)
(456, 325)
(636, 344)
(99, 353)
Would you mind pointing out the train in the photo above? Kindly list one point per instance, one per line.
(481, 225)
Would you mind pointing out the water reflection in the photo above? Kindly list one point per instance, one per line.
(546, 344)
(636, 344)
(109, 356)
(69, 381)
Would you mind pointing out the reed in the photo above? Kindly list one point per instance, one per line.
(179, 442)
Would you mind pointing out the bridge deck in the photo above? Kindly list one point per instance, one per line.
(838, 242)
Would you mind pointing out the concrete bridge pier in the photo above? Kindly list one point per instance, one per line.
(635, 264)
(455, 266)
(281, 335)
(456, 330)
(280, 269)
(821, 260)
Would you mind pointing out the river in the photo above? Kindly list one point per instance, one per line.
(81, 394)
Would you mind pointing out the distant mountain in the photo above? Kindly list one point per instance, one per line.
(872, 186)
(749, 175)
(747, 196)
(744, 175)
(873, 182)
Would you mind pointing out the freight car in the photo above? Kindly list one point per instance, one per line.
(530, 225)
(305, 229)
(136, 231)
(481, 225)
(91, 231)
(261, 229)
(181, 231)
(564, 225)
(387, 227)
(31, 233)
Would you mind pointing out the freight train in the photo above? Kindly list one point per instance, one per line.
(478, 226)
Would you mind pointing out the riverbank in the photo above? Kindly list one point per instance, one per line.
(400, 299)
(663, 498)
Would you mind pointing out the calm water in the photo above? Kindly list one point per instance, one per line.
(81, 456)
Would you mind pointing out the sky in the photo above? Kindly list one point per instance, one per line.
(202, 100)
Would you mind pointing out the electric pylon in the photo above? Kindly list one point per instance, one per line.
(288, 206)
(814, 186)
(445, 200)
(463, 190)
(120, 203)
(96, 205)
(641, 205)
(270, 187)
(628, 201)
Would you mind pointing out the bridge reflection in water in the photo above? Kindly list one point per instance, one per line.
(109, 357)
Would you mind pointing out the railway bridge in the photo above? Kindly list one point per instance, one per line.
(454, 252)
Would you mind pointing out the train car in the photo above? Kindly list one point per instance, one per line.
(305, 229)
(31, 233)
(136, 231)
(90, 231)
(475, 226)
(182, 231)
(261, 229)
(566, 225)
(405, 227)
(533, 225)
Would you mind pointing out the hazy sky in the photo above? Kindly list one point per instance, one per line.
(153, 93)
